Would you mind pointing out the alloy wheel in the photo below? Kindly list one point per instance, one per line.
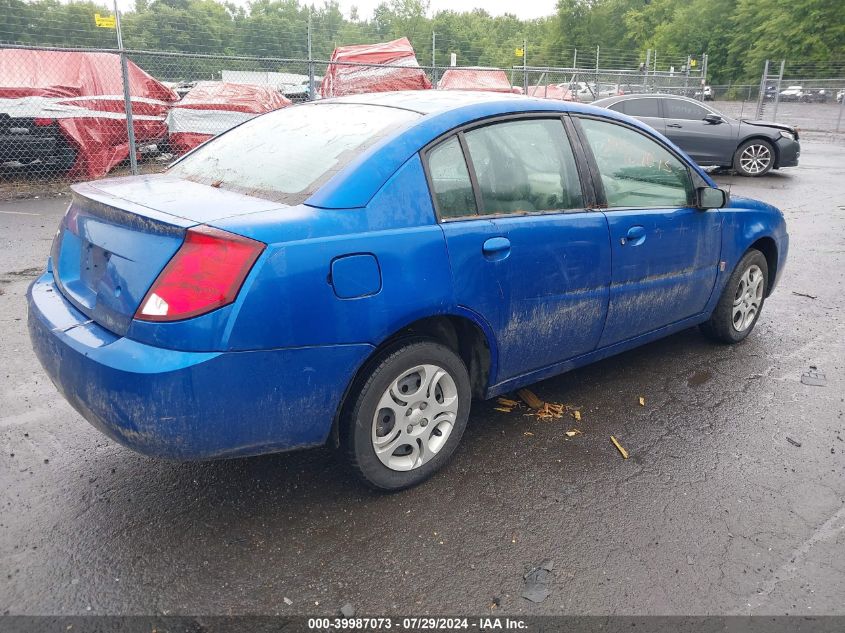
(748, 298)
(755, 159)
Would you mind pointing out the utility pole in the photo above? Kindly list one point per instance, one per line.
(575, 59)
(777, 92)
(525, 66)
(311, 89)
(597, 71)
(433, 59)
(127, 101)
(761, 96)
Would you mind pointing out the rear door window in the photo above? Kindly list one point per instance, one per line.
(524, 166)
(680, 109)
(286, 155)
(450, 182)
(635, 170)
(642, 108)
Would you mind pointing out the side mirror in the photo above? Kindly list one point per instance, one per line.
(713, 119)
(711, 198)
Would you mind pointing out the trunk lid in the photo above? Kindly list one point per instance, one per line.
(118, 235)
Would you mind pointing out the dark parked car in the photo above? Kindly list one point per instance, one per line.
(752, 148)
(35, 141)
(354, 271)
(815, 95)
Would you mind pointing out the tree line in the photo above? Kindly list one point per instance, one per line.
(737, 35)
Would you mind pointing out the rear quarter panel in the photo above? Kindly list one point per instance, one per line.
(291, 300)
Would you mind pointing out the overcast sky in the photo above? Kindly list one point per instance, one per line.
(524, 9)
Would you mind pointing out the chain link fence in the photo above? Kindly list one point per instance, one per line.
(80, 114)
(71, 114)
(812, 104)
(585, 85)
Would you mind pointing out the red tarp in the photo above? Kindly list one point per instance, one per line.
(485, 79)
(342, 80)
(212, 107)
(83, 93)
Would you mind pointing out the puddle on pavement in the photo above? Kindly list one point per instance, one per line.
(699, 378)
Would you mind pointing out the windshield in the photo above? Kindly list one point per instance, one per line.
(286, 155)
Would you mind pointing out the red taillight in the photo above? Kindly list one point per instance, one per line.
(206, 273)
(42, 122)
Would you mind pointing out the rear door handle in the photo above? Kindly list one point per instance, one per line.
(674, 125)
(496, 248)
(635, 236)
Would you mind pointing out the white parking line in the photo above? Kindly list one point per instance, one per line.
(18, 213)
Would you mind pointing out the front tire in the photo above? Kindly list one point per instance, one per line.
(408, 414)
(741, 302)
(754, 158)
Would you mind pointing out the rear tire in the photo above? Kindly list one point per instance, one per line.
(741, 302)
(407, 415)
(754, 158)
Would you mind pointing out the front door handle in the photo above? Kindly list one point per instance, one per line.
(678, 125)
(635, 236)
(496, 248)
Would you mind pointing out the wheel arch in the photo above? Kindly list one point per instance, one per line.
(756, 136)
(464, 333)
(769, 248)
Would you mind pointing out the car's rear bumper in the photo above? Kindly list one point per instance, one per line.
(789, 152)
(188, 405)
(26, 147)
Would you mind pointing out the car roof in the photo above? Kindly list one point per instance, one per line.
(430, 101)
(642, 95)
(440, 112)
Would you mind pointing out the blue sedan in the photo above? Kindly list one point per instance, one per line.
(355, 271)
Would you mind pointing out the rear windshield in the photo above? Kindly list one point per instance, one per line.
(288, 154)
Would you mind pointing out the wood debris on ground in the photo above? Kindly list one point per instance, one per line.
(550, 411)
(529, 398)
(573, 432)
(541, 410)
(537, 407)
(507, 402)
(619, 447)
(506, 405)
(642, 401)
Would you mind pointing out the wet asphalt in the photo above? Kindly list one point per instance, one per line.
(715, 512)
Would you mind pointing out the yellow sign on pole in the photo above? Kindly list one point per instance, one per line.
(105, 21)
(693, 62)
(519, 52)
